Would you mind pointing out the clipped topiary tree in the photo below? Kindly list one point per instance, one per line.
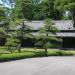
(47, 33)
(11, 43)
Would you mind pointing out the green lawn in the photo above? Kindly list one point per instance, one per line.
(31, 52)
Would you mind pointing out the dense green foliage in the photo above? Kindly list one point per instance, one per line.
(39, 9)
(21, 10)
(29, 53)
(66, 5)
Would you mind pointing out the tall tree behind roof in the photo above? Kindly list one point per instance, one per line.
(66, 5)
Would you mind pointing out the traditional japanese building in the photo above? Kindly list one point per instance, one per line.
(66, 31)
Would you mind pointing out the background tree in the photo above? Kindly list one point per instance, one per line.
(8, 22)
(37, 9)
(67, 5)
(3, 22)
(2, 13)
(25, 6)
(45, 9)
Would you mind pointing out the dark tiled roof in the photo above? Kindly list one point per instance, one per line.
(64, 25)
(60, 24)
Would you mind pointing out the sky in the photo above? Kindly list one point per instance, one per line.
(2, 3)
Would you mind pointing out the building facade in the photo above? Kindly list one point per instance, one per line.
(66, 31)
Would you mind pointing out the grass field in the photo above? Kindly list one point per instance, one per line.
(6, 55)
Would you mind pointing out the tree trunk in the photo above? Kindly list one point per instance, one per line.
(19, 47)
(46, 42)
(21, 37)
(73, 17)
(46, 50)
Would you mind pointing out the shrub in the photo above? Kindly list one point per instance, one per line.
(32, 53)
(12, 44)
(15, 56)
(68, 53)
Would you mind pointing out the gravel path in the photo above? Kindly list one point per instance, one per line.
(39, 66)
